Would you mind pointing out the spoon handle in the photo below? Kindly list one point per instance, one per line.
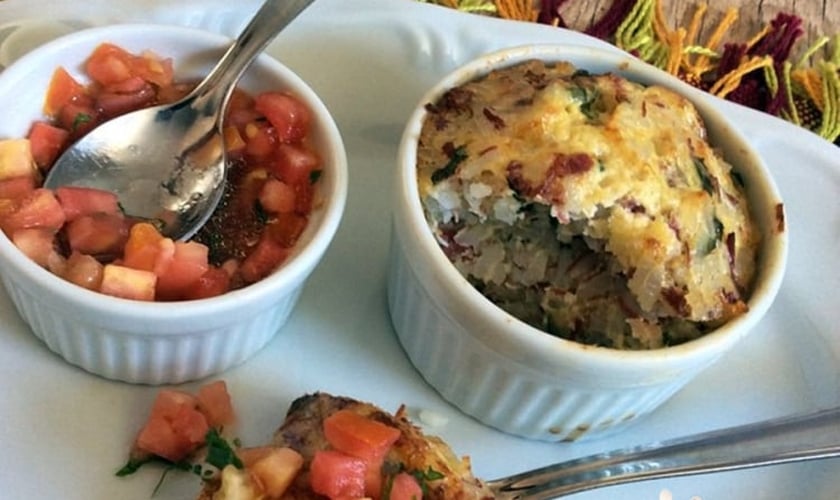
(270, 19)
(791, 439)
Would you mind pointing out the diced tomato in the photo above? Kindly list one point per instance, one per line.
(142, 248)
(38, 244)
(335, 474)
(39, 208)
(63, 90)
(80, 201)
(293, 164)
(153, 69)
(109, 64)
(214, 402)
(215, 281)
(260, 141)
(304, 197)
(286, 229)
(16, 159)
(16, 188)
(83, 270)
(189, 263)
(113, 103)
(276, 470)
(78, 118)
(358, 435)
(97, 234)
(263, 259)
(277, 197)
(47, 141)
(175, 426)
(405, 487)
(287, 114)
(128, 283)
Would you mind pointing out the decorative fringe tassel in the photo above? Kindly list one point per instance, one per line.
(756, 73)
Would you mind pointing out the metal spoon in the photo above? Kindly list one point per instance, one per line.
(793, 439)
(167, 163)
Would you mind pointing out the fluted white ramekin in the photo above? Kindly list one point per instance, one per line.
(519, 379)
(164, 343)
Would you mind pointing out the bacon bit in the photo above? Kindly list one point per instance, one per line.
(575, 163)
(517, 182)
(780, 217)
(675, 297)
(536, 80)
(632, 206)
(496, 120)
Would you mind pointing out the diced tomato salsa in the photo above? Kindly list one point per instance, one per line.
(82, 235)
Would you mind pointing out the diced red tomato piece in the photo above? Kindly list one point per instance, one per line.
(97, 234)
(112, 103)
(128, 283)
(37, 243)
(215, 403)
(335, 474)
(83, 270)
(175, 427)
(78, 118)
(405, 487)
(109, 64)
(80, 201)
(286, 229)
(263, 259)
(39, 208)
(289, 116)
(215, 281)
(16, 159)
(260, 141)
(153, 69)
(277, 197)
(304, 197)
(189, 263)
(358, 435)
(63, 90)
(293, 164)
(47, 141)
(16, 188)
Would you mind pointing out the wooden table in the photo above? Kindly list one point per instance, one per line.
(820, 17)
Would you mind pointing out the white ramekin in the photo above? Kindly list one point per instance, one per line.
(163, 343)
(519, 379)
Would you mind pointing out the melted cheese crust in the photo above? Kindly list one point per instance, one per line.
(626, 167)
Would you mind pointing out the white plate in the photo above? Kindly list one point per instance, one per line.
(65, 432)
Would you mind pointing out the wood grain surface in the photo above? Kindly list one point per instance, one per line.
(820, 17)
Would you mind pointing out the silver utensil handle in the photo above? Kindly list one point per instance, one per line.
(269, 20)
(797, 438)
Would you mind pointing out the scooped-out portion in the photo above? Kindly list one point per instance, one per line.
(589, 206)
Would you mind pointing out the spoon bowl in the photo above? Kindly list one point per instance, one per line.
(167, 163)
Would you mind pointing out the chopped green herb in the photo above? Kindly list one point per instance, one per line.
(455, 159)
(314, 176)
(79, 120)
(714, 238)
(587, 99)
(132, 466)
(705, 178)
(219, 452)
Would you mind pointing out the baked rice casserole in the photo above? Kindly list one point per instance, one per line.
(589, 206)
